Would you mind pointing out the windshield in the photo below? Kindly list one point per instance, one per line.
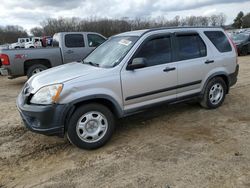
(111, 52)
(239, 37)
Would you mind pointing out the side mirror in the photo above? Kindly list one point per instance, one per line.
(137, 63)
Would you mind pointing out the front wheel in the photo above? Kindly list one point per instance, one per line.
(34, 69)
(214, 94)
(91, 126)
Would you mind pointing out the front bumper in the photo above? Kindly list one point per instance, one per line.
(233, 76)
(4, 71)
(43, 119)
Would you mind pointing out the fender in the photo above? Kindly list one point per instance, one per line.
(220, 73)
(72, 105)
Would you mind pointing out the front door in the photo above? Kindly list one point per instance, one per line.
(157, 81)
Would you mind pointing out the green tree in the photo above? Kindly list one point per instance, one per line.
(246, 21)
(238, 20)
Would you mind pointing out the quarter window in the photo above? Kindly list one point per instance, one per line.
(190, 47)
(74, 41)
(220, 41)
(156, 51)
(95, 40)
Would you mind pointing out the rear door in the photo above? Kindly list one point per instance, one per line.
(157, 81)
(74, 47)
(192, 56)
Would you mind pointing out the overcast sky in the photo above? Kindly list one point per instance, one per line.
(28, 14)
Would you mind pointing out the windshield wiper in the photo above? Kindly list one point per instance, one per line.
(91, 63)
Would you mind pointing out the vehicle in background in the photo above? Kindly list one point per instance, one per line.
(67, 47)
(242, 42)
(129, 73)
(4, 46)
(20, 43)
(36, 42)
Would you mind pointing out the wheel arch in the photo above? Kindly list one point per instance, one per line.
(221, 74)
(31, 62)
(105, 100)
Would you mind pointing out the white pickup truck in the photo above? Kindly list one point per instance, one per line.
(20, 43)
(67, 47)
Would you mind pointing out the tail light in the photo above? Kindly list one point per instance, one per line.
(235, 47)
(4, 59)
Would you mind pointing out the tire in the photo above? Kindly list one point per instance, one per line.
(244, 51)
(91, 126)
(214, 94)
(34, 69)
(32, 47)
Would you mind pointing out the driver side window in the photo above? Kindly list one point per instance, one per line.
(156, 51)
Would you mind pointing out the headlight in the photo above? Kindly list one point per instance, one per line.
(47, 95)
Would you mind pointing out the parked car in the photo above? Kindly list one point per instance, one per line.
(20, 43)
(127, 74)
(36, 42)
(242, 41)
(67, 47)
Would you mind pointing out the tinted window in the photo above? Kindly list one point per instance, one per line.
(74, 41)
(219, 40)
(156, 51)
(95, 40)
(190, 47)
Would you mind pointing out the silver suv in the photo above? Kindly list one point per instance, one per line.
(129, 73)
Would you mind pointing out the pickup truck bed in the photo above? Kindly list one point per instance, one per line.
(21, 59)
(67, 47)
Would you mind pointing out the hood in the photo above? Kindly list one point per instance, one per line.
(64, 73)
(238, 42)
(14, 44)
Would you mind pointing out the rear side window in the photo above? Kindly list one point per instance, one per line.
(74, 41)
(220, 41)
(156, 51)
(190, 46)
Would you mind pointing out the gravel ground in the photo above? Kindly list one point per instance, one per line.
(177, 146)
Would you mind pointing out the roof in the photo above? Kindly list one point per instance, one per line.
(142, 32)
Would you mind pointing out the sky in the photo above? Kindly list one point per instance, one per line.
(29, 14)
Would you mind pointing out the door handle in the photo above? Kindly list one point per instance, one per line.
(209, 61)
(169, 69)
(70, 52)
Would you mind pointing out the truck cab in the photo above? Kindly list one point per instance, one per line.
(75, 45)
(20, 43)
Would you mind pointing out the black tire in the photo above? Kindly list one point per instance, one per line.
(78, 114)
(244, 51)
(206, 101)
(31, 69)
(32, 47)
(17, 47)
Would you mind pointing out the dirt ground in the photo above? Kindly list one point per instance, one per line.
(177, 146)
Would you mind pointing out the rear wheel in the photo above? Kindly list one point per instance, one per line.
(215, 93)
(91, 126)
(34, 69)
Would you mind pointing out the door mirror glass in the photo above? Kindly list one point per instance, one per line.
(137, 63)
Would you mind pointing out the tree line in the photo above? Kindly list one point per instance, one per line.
(109, 27)
(10, 34)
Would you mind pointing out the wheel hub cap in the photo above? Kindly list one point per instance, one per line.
(92, 126)
(216, 93)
